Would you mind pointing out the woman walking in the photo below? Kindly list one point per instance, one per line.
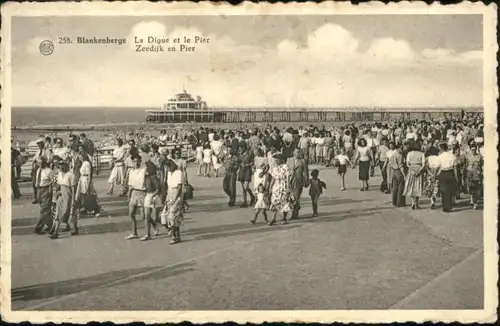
(117, 176)
(261, 168)
(86, 199)
(280, 189)
(199, 157)
(364, 156)
(474, 165)
(216, 147)
(174, 202)
(431, 184)
(65, 199)
(207, 160)
(415, 161)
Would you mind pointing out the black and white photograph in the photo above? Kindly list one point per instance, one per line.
(193, 162)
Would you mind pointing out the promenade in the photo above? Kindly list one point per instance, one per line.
(360, 253)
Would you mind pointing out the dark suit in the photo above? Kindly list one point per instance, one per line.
(13, 181)
(299, 179)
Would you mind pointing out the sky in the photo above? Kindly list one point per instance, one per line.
(253, 61)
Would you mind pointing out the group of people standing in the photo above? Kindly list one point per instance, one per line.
(416, 158)
(442, 159)
(425, 160)
(155, 182)
(62, 181)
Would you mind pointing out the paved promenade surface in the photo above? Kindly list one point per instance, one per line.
(360, 253)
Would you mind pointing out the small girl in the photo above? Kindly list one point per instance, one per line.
(315, 190)
(207, 159)
(199, 158)
(261, 204)
(343, 161)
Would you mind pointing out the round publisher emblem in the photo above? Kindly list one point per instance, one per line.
(46, 47)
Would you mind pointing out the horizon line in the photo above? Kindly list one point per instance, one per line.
(255, 107)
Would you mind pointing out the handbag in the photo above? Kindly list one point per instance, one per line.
(163, 216)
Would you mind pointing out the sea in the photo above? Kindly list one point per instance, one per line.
(25, 117)
(83, 116)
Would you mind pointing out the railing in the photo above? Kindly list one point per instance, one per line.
(297, 116)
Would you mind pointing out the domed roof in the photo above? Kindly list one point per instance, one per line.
(184, 96)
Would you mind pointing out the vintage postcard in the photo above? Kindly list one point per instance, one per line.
(262, 162)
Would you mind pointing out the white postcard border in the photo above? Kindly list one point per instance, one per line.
(142, 8)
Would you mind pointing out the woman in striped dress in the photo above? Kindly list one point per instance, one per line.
(65, 196)
(415, 161)
(55, 187)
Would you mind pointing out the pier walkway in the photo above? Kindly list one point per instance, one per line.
(360, 253)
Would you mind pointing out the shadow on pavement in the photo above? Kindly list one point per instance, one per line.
(223, 207)
(254, 230)
(218, 231)
(343, 215)
(50, 290)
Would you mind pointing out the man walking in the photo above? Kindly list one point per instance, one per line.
(299, 179)
(396, 163)
(136, 194)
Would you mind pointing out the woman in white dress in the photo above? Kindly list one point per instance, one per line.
(207, 159)
(199, 157)
(261, 168)
(117, 175)
(216, 147)
(86, 197)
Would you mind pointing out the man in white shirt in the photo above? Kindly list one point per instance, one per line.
(372, 144)
(43, 184)
(381, 159)
(136, 193)
(446, 175)
(43, 153)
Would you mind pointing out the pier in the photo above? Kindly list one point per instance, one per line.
(311, 115)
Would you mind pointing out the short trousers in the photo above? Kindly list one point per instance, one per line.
(137, 198)
(149, 202)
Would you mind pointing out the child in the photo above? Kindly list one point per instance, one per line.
(199, 158)
(342, 160)
(315, 190)
(207, 159)
(261, 204)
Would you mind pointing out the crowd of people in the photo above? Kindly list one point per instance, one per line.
(434, 159)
